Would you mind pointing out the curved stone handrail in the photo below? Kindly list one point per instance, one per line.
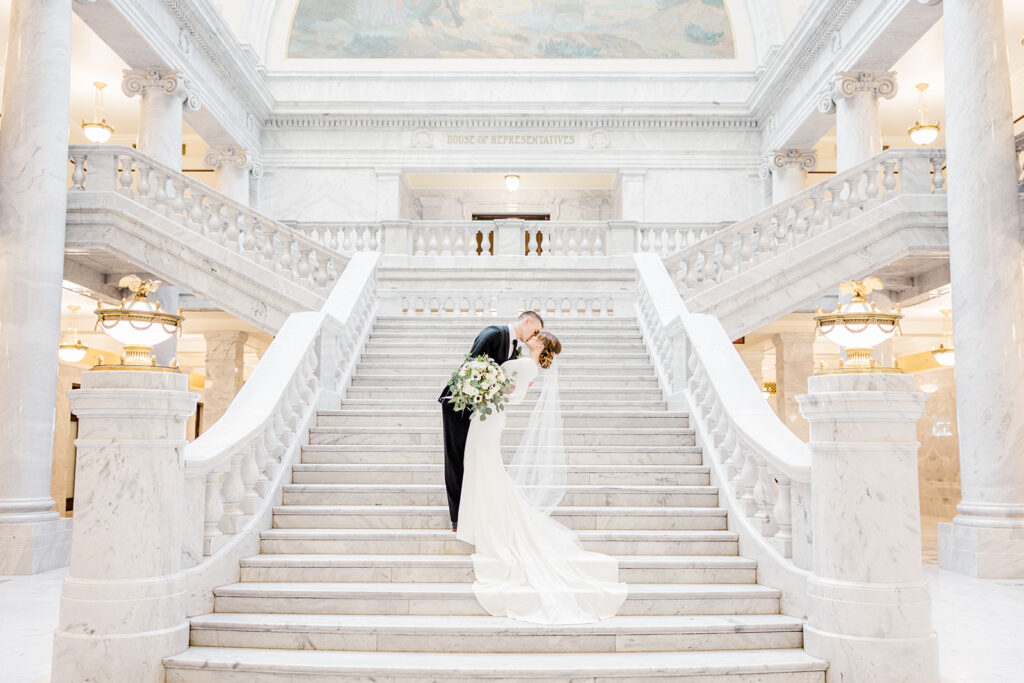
(234, 471)
(762, 469)
(205, 211)
(807, 214)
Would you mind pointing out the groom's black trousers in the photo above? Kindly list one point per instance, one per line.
(456, 428)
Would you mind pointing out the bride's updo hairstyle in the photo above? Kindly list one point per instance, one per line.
(552, 347)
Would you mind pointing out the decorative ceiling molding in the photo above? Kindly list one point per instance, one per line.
(305, 121)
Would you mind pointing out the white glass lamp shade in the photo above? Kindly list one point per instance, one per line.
(943, 356)
(72, 353)
(512, 182)
(97, 132)
(924, 134)
(854, 331)
(137, 323)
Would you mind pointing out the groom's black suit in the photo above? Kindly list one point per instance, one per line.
(497, 343)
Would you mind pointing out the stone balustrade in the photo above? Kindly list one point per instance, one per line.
(207, 212)
(507, 303)
(762, 468)
(806, 215)
(509, 237)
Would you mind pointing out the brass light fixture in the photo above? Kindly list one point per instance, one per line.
(768, 389)
(858, 327)
(922, 132)
(943, 353)
(139, 324)
(97, 130)
(72, 350)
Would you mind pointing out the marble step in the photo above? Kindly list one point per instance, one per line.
(571, 369)
(458, 598)
(576, 455)
(635, 495)
(430, 403)
(432, 633)
(459, 568)
(265, 665)
(604, 382)
(443, 541)
(464, 339)
(432, 436)
(480, 322)
(413, 347)
(431, 416)
(456, 326)
(455, 356)
(436, 517)
(430, 390)
(576, 475)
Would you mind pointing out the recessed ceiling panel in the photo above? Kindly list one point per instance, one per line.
(558, 29)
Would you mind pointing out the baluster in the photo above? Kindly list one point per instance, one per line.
(854, 199)
(746, 480)
(163, 195)
(178, 203)
(364, 239)
(347, 242)
(746, 246)
(938, 179)
(231, 229)
(889, 176)
(761, 517)
(323, 275)
(559, 249)
(421, 245)
(143, 186)
(250, 474)
(691, 273)
(460, 242)
(708, 271)
(196, 211)
(727, 258)
(871, 190)
(78, 174)
(432, 243)
(125, 178)
(213, 510)
(232, 492)
(215, 224)
(645, 240)
(267, 248)
(446, 241)
(249, 236)
(283, 260)
(265, 463)
(573, 246)
(304, 267)
(784, 516)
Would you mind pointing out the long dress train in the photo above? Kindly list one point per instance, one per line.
(527, 565)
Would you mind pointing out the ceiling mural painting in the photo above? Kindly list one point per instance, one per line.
(574, 29)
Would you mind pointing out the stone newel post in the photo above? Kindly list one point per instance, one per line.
(123, 602)
(869, 612)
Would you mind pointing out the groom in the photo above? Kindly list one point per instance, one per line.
(499, 343)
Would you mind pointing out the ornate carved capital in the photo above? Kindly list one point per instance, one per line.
(849, 83)
(137, 81)
(805, 159)
(239, 157)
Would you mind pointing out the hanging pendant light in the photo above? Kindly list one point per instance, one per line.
(922, 132)
(139, 324)
(511, 182)
(943, 353)
(97, 130)
(72, 350)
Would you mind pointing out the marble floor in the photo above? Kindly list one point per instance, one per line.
(979, 625)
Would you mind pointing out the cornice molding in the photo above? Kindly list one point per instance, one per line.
(415, 123)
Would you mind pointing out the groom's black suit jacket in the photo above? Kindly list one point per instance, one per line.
(494, 341)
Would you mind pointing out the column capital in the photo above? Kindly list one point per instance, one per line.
(231, 155)
(849, 83)
(170, 81)
(802, 158)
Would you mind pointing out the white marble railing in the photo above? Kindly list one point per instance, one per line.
(208, 213)
(808, 214)
(234, 471)
(761, 468)
(503, 303)
(507, 237)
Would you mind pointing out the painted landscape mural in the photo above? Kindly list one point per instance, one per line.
(572, 29)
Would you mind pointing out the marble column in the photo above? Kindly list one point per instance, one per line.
(788, 168)
(123, 604)
(225, 372)
(853, 96)
(163, 95)
(794, 363)
(631, 189)
(985, 254)
(33, 199)
(869, 609)
(232, 166)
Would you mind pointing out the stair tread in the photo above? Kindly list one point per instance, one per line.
(465, 590)
(439, 509)
(440, 624)
(446, 534)
(570, 665)
(638, 431)
(427, 467)
(346, 560)
(405, 448)
(412, 412)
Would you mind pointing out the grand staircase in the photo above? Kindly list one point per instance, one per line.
(361, 579)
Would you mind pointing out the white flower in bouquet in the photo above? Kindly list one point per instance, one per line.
(480, 385)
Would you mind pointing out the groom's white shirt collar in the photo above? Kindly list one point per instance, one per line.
(511, 339)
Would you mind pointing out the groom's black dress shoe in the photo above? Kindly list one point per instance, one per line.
(455, 527)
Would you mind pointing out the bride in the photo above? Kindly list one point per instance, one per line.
(527, 565)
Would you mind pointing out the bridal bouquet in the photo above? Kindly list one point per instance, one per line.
(481, 385)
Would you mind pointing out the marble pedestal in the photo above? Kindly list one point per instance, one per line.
(123, 604)
(869, 610)
(984, 552)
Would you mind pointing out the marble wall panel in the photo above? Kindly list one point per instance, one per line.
(938, 459)
(694, 195)
(320, 194)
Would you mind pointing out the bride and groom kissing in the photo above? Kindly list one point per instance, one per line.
(527, 565)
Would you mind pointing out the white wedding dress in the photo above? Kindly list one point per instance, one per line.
(527, 565)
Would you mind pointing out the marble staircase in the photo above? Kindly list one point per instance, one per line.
(360, 578)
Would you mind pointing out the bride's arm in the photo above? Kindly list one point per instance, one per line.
(521, 379)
